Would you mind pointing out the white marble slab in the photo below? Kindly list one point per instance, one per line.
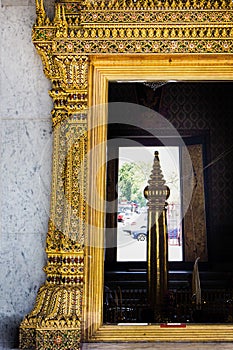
(25, 166)
(48, 4)
(22, 259)
(26, 158)
(21, 253)
(25, 153)
(24, 88)
(15, 2)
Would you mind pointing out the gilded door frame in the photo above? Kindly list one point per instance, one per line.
(110, 68)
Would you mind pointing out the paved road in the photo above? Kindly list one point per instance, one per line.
(131, 249)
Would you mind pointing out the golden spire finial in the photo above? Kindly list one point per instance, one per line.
(40, 12)
(63, 14)
(37, 5)
(57, 13)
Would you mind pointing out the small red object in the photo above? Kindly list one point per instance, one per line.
(172, 325)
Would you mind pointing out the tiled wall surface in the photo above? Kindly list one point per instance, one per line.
(25, 149)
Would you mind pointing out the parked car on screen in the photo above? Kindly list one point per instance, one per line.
(120, 217)
(173, 233)
(136, 222)
(140, 235)
(128, 216)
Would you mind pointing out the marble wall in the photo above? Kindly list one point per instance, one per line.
(25, 148)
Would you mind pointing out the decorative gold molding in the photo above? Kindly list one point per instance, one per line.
(149, 26)
(87, 44)
(154, 333)
(57, 316)
(153, 67)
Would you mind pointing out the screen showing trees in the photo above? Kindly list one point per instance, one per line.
(135, 165)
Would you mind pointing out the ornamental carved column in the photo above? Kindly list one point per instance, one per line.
(157, 249)
(56, 320)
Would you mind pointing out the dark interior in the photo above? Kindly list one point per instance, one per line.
(198, 110)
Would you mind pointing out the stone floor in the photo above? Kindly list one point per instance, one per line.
(158, 346)
(151, 346)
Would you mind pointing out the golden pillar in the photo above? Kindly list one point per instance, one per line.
(56, 320)
(157, 250)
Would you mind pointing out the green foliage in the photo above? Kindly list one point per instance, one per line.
(133, 178)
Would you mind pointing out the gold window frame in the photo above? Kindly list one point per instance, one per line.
(163, 67)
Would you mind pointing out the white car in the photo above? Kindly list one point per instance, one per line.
(128, 216)
(136, 222)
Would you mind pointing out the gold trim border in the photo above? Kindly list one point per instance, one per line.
(163, 67)
(154, 333)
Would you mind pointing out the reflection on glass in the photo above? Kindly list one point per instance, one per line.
(135, 164)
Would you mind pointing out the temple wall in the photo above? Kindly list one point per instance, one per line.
(25, 148)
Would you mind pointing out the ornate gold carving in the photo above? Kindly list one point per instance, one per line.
(57, 313)
(56, 317)
(55, 304)
(91, 27)
(79, 30)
